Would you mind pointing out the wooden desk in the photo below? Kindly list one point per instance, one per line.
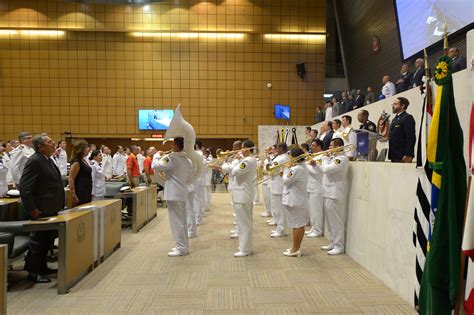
(152, 198)
(139, 206)
(9, 209)
(3, 278)
(76, 238)
(110, 225)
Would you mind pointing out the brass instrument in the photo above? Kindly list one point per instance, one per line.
(225, 155)
(273, 170)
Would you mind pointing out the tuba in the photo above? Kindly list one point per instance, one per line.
(181, 128)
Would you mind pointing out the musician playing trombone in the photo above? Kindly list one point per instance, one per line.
(315, 192)
(334, 168)
(276, 191)
(230, 163)
(243, 193)
(295, 199)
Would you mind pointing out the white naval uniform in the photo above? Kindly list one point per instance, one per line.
(119, 162)
(295, 197)
(177, 168)
(98, 180)
(348, 135)
(190, 215)
(107, 165)
(227, 167)
(140, 159)
(198, 201)
(8, 162)
(243, 195)
(335, 171)
(3, 176)
(315, 197)
(62, 162)
(276, 191)
(207, 183)
(18, 157)
(266, 188)
(256, 199)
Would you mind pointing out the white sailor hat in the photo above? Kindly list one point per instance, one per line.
(125, 189)
(13, 193)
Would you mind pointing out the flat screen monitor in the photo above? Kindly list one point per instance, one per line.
(421, 22)
(282, 112)
(154, 119)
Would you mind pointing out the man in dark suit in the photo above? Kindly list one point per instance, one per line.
(358, 100)
(459, 62)
(42, 195)
(402, 133)
(403, 82)
(417, 78)
(326, 134)
(370, 97)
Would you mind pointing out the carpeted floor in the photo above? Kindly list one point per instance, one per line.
(140, 279)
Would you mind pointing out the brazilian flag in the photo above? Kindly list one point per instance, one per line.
(440, 279)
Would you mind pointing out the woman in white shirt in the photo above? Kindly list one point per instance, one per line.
(98, 175)
(295, 200)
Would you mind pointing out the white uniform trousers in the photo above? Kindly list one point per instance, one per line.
(316, 214)
(178, 223)
(198, 203)
(243, 214)
(266, 198)
(278, 212)
(334, 213)
(207, 197)
(190, 216)
(256, 199)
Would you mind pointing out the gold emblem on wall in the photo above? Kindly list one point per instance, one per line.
(81, 232)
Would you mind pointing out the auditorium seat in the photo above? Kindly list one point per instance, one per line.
(12, 234)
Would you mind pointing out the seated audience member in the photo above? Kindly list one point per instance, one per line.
(459, 62)
(403, 82)
(313, 134)
(326, 134)
(388, 88)
(417, 78)
(370, 97)
(402, 133)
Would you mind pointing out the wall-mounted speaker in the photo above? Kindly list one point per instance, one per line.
(300, 69)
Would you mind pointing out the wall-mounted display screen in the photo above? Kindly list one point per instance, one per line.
(154, 119)
(282, 112)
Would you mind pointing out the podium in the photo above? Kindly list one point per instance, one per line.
(367, 144)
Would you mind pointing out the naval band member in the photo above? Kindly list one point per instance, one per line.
(177, 169)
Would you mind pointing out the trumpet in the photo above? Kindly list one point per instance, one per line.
(273, 170)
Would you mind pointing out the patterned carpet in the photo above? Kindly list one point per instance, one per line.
(140, 279)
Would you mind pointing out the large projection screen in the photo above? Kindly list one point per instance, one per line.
(421, 22)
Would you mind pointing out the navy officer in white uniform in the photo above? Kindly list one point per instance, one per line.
(243, 195)
(177, 169)
(335, 168)
(295, 200)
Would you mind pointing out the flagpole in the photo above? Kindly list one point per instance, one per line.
(462, 280)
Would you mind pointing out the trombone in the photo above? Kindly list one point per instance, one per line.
(273, 170)
(223, 156)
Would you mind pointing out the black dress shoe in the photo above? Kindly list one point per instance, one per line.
(50, 271)
(37, 278)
